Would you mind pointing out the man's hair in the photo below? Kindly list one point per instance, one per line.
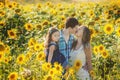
(71, 22)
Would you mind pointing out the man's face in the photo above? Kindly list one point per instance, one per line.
(73, 30)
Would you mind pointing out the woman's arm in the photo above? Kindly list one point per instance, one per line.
(88, 52)
(51, 51)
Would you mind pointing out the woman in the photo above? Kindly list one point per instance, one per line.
(81, 50)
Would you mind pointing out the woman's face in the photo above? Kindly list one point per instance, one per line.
(55, 36)
(79, 32)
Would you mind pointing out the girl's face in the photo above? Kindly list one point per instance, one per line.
(79, 32)
(55, 36)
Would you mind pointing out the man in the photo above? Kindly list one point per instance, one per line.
(66, 38)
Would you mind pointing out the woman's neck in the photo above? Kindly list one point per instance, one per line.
(79, 43)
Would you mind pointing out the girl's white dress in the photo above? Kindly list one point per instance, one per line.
(79, 54)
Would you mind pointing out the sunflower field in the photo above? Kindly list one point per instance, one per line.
(22, 34)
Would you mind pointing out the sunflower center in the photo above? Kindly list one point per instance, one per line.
(0, 56)
(96, 50)
(2, 48)
(31, 43)
(58, 68)
(10, 6)
(108, 29)
(77, 64)
(45, 23)
(37, 47)
(104, 54)
(12, 76)
(119, 31)
(48, 66)
(101, 48)
(51, 72)
(1, 24)
(91, 31)
(40, 55)
(49, 78)
(29, 26)
(3, 13)
(5, 60)
(20, 59)
(39, 26)
(17, 10)
(12, 34)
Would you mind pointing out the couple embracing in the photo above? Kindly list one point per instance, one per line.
(69, 45)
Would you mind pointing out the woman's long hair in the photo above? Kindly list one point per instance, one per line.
(49, 36)
(85, 38)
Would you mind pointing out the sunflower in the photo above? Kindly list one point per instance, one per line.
(7, 49)
(39, 6)
(17, 11)
(28, 26)
(108, 28)
(1, 57)
(48, 3)
(9, 58)
(59, 4)
(28, 55)
(21, 59)
(77, 65)
(13, 76)
(2, 13)
(117, 21)
(101, 48)
(61, 26)
(92, 73)
(105, 54)
(92, 32)
(14, 4)
(10, 6)
(46, 66)
(2, 23)
(48, 77)
(45, 22)
(58, 68)
(63, 17)
(53, 12)
(6, 60)
(95, 49)
(2, 48)
(39, 27)
(71, 70)
(1, 5)
(11, 34)
(91, 13)
(31, 42)
(52, 72)
(40, 56)
(37, 47)
(118, 31)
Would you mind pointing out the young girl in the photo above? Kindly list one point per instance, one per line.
(53, 53)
